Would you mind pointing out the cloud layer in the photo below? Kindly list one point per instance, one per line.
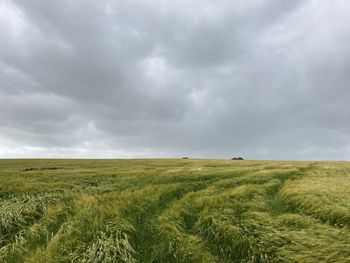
(262, 79)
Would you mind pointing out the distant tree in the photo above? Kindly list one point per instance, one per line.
(237, 158)
(185, 158)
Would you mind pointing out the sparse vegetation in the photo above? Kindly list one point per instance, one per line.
(174, 211)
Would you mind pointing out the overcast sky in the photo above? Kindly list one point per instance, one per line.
(261, 79)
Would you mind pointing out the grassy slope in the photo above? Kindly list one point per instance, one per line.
(174, 211)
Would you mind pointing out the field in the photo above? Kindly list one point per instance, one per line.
(168, 210)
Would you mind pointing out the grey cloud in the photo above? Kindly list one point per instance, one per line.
(264, 79)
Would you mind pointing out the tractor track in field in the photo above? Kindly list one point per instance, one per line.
(148, 232)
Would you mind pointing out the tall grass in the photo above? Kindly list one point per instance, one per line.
(174, 211)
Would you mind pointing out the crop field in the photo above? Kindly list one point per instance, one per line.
(174, 210)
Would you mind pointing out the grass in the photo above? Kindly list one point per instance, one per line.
(169, 210)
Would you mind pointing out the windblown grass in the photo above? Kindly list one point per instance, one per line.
(174, 211)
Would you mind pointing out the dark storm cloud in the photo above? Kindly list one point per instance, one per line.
(264, 79)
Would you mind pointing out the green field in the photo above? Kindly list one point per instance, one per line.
(169, 210)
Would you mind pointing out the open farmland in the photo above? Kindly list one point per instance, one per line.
(167, 210)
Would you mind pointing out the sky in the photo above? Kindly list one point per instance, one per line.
(261, 79)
